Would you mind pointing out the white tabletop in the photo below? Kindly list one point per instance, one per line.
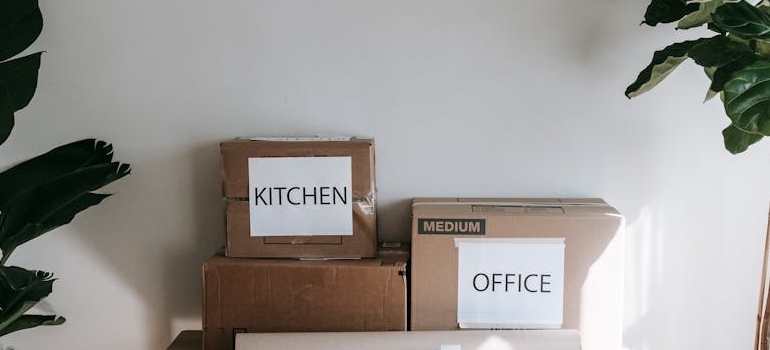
(464, 340)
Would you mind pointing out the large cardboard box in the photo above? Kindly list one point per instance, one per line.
(439, 340)
(592, 259)
(287, 295)
(300, 197)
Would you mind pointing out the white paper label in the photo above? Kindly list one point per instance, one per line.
(294, 196)
(510, 282)
(302, 138)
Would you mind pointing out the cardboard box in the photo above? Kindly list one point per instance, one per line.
(593, 258)
(286, 295)
(283, 213)
(446, 340)
(187, 340)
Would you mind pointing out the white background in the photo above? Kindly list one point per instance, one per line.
(464, 98)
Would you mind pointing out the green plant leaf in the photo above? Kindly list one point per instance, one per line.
(67, 213)
(663, 63)
(50, 166)
(743, 20)
(710, 73)
(20, 290)
(22, 23)
(724, 56)
(723, 74)
(19, 77)
(667, 11)
(47, 191)
(718, 51)
(38, 210)
(18, 81)
(737, 140)
(19, 285)
(762, 47)
(747, 98)
(6, 115)
(31, 321)
(701, 16)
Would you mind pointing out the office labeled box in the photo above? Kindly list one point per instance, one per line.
(299, 197)
(518, 264)
(288, 295)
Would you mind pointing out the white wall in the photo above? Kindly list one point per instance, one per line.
(465, 98)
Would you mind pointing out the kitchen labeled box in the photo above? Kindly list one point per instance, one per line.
(283, 202)
(591, 231)
(288, 295)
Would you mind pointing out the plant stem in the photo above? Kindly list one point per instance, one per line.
(6, 255)
(763, 313)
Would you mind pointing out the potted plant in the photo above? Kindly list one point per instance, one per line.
(736, 59)
(47, 191)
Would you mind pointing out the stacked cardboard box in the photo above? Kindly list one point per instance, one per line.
(301, 250)
(518, 263)
(300, 197)
(285, 295)
(301, 255)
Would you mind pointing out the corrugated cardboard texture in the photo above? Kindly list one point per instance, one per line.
(593, 259)
(187, 340)
(466, 340)
(235, 181)
(284, 295)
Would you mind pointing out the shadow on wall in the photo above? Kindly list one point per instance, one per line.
(393, 220)
(642, 278)
(170, 221)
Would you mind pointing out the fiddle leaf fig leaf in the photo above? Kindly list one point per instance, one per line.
(743, 20)
(663, 63)
(718, 51)
(737, 140)
(736, 60)
(724, 73)
(701, 16)
(667, 11)
(724, 56)
(747, 98)
(710, 93)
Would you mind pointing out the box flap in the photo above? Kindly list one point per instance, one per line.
(530, 206)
